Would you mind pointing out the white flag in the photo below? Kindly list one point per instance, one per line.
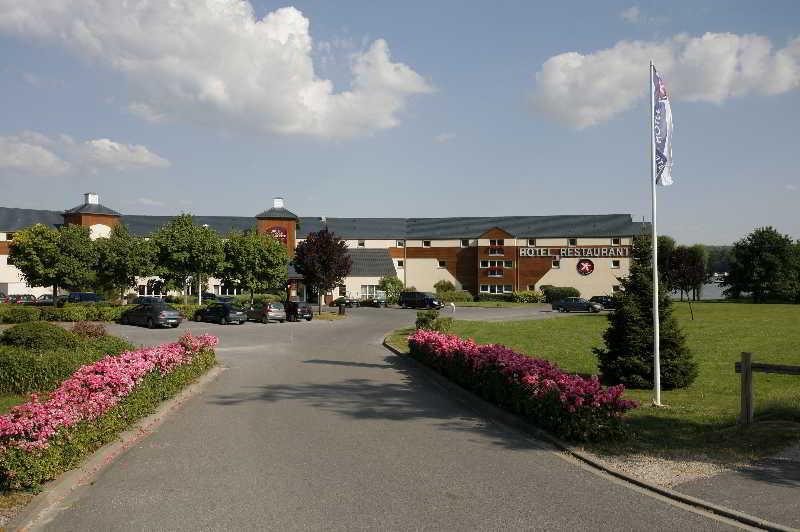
(662, 131)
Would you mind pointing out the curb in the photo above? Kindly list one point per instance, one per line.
(507, 418)
(44, 507)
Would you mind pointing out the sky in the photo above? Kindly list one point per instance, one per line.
(405, 109)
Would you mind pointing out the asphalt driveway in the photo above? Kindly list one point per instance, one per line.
(316, 426)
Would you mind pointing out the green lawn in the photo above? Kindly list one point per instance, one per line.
(7, 401)
(701, 418)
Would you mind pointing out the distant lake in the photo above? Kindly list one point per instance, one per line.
(710, 291)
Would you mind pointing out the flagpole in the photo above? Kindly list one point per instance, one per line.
(656, 332)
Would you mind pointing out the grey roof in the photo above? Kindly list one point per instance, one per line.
(371, 262)
(580, 225)
(278, 213)
(12, 219)
(92, 208)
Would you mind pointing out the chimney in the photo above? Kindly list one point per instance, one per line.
(277, 202)
(91, 198)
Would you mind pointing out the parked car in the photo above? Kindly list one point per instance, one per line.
(84, 297)
(222, 313)
(608, 302)
(298, 310)
(373, 302)
(141, 300)
(156, 314)
(344, 301)
(22, 299)
(420, 300)
(44, 299)
(576, 304)
(267, 312)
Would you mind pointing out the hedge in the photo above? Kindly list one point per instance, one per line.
(42, 439)
(456, 296)
(528, 296)
(494, 297)
(557, 293)
(571, 406)
(73, 312)
(37, 356)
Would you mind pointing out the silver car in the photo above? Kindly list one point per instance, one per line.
(267, 312)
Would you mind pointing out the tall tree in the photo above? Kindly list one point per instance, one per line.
(186, 252)
(764, 264)
(323, 261)
(689, 271)
(666, 246)
(254, 262)
(121, 258)
(627, 357)
(61, 258)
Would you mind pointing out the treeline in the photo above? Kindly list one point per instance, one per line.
(179, 255)
(764, 265)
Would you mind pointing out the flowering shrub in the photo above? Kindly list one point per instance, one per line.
(572, 406)
(88, 329)
(46, 436)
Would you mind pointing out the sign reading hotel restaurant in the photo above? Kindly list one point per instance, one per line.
(575, 252)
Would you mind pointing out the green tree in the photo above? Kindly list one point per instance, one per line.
(121, 258)
(627, 357)
(254, 262)
(392, 286)
(323, 261)
(666, 246)
(61, 258)
(764, 264)
(689, 271)
(186, 252)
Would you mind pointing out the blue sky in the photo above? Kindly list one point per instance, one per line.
(464, 128)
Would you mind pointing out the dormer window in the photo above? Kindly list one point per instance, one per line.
(401, 243)
(426, 243)
(572, 241)
(616, 241)
(464, 242)
(361, 243)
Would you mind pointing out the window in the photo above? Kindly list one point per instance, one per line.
(443, 264)
(556, 264)
(401, 263)
(426, 243)
(616, 241)
(615, 264)
(464, 242)
(572, 241)
(498, 242)
(484, 264)
(616, 288)
(495, 273)
(532, 242)
(497, 264)
(484, 288)
(507, 288)
(9, 237)
(508, 264)
(401, 243)
(532, 287)
(496, 251)
(216, 289)
(368, 290)
(142, 290)
(497, 288)
(361, 243)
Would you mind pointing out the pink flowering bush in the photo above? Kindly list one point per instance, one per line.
(572, 406)
(46, 436)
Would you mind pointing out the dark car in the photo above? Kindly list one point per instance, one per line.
(152, 315)
(44, 299)
(576, 304)
(267, 312)
(344, 302)
(222, 313)
(298, 310)
(84, 297)
(373, 302)
(608, 302)
(420, 300)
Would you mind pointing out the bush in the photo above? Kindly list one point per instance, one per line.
(443, 286)
(39, 335)
(457, 296)
(569, 405)
(627, 357)
(88, 329)
(429, 320)
(18, 314)
(528, 296)
(494, 297)
(557, 293)
(188, 310)
(244, 299)
(61, 431)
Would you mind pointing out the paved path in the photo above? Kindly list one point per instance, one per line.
(316, 426)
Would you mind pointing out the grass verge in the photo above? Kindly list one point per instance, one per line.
(701, 419)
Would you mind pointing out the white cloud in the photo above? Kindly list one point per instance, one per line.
(582, 90)
(145, 112)
(216, 63)
(441, 138)
(631, 14)
(34, 154)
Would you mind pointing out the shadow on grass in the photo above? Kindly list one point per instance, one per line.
(416, 398)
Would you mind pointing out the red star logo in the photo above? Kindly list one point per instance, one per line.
(585, 267)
